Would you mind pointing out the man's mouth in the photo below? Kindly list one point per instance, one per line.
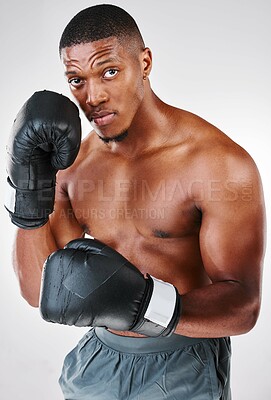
(102, 118)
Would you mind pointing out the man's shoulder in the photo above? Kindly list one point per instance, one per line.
(206, 137)
(198, 128)
(209, 148)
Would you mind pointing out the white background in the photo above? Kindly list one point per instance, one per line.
(211, 57)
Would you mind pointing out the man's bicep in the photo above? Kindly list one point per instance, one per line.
(232, 233)
(64, 225)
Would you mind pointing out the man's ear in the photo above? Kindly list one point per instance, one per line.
(146, 62)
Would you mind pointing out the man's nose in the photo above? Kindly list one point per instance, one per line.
(95, 94)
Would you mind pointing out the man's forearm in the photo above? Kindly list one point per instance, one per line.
(222, 309)
(31, 248)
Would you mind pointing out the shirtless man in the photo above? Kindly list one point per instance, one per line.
(163, 189)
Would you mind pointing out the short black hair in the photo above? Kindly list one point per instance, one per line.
(100, 22)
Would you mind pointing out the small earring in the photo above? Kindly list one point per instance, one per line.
(144, 77)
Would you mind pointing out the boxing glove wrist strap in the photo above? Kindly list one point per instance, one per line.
(28, 205)
(162, 304)
(163, 312)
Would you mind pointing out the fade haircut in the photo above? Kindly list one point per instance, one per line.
(100, 22)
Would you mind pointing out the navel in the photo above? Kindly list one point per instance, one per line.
(85, 229)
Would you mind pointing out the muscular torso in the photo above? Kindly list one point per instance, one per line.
(144, 206)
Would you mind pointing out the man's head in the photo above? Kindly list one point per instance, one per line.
(107, 65)
(101, 22)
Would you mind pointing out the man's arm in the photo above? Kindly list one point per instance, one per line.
(32, 247)
(232, 247)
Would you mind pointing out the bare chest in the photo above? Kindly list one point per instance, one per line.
(150, 200)
(146, 212)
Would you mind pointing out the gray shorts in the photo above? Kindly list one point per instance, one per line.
(104, 366)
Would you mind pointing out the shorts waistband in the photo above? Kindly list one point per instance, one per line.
(130, 344)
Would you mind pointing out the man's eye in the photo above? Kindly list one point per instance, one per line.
(75, 81)
(110, 73)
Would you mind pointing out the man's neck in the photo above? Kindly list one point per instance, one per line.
(149, 130)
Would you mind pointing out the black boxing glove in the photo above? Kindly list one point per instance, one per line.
(45, 138)
(90, 284)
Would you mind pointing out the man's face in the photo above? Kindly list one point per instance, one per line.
(107, 81)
